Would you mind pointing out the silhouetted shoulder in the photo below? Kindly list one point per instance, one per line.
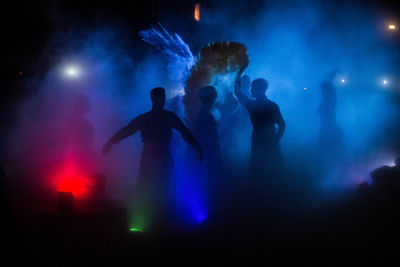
(138, 121)
(170, 113)
(171, 116)
(144, 115)
(274, 106)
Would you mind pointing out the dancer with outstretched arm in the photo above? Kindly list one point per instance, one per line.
(155, 192)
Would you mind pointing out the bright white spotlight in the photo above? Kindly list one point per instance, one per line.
(71, 71)
(343, 80)
(392, 27)
(305, 88)
(385, 82)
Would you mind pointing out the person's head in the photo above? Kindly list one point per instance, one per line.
(207, 95)
(258, 88)
(158, 97)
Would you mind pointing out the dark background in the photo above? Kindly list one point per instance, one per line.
(26, 27)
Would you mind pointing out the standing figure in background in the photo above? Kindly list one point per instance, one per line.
(331, 139)
(207, 131)
(236, 128)
(156, 187)
(266, 157)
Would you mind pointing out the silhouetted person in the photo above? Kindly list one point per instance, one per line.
(236, 127)
(206, 126)
(207, 131)
(156, 165)
(266, 158)
(386, 179)
(330, 135)
(228, 125)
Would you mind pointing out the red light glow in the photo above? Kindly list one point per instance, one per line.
(71, 179)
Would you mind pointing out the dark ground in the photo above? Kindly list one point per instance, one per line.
(363, 227)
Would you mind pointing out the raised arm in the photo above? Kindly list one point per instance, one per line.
(128, 130)
(243, 99)
(188, 136)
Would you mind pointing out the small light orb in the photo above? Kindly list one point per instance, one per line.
(71, 72)
(392, 27)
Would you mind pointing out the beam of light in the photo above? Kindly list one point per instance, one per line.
(191, 193)
(197, 12)
(139, 217)
(392, 27)
(195, 206)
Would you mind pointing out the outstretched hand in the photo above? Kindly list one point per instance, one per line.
(107, 148)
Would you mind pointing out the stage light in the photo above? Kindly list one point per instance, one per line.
(305, 89)
(392, 27)
(72, 71)
(200, 216)
(385, 82)
(197, 12)
(70, 178)
(135, 230)
(343, 80)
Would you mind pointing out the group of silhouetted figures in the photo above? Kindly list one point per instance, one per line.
(155, 190)
(156, 125)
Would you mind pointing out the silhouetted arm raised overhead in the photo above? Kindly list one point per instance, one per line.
(125, 132)
(243, 99)
(187, 135)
